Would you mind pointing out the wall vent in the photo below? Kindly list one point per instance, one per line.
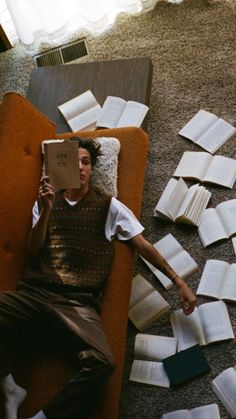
(62, 54)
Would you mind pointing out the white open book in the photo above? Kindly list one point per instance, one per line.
(149, 350)
(207, 130)
(224, 385)
(117, 112)
(208, 323)
(218, 223)
(182, 204)
(81, 112)
(178, 258)
(146, 304)
(209, 411)
(218, 280)
(207, 168)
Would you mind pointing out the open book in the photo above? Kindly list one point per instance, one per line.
(207, 168)
(224, 385)
(208, 323)
(178, 258)
(146, 304)
(117, 112)
(207, 130)
(61, 163)
(218, 280)
(209, 411)
(81, 112)
(182, 204)
(218, 223)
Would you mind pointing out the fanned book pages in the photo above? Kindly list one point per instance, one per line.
(149, 350)
(81, 112)
(208, 411)
(177, 257)
(146, 304)
(218, 280)
(203, 166)
(208, 323)
(218, 223)
(117, 112)
(61, 163)
(207, 130)
(224, 385)
(178, 203)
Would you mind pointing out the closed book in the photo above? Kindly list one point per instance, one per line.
(186, 365)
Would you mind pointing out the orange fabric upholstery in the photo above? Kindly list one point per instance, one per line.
(23, 128)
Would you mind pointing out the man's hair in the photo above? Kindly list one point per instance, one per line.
(90, 144)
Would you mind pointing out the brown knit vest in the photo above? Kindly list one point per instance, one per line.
(76, 251)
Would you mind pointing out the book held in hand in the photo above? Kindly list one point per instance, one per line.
(146, 304)
(203, 166)
(208, 411)
(207, 130)
(179, 203)
(186, 365)
(208, 323)
(218, 223)
(224, 385)
(218, 280)
(177, 257)
(81, 112)
(61, 163)
(117, 112)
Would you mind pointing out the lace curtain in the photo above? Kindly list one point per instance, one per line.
(39, 21)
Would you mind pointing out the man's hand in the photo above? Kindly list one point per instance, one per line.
(186, 297)
(46, 193)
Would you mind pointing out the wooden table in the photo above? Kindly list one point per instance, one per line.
(49, 87)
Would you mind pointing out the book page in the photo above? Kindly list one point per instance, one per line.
(234, 244)
(164, 280)
(211, 229)
(224, 386)
(148, 310)
(198, 125)
(227, 213)
(187, 329)
(209, 411)
(149, 372)
(202, 199)
(177, 199)
(78, 105)
(140, 289)
(111, 112)
(215, 321)
(133, 114)
(183, 264)
(221, 171)
(177, 414)
(213, 278)
(86, 120)
(216, 135)
(193, 164)
(229, 291)
(154, 348)
(188, 202)
(162, 205)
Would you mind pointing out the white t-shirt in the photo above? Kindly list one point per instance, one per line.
(121, 222)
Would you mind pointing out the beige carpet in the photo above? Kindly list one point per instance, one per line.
(193, 49)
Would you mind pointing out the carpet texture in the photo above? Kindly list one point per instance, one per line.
(192, 46)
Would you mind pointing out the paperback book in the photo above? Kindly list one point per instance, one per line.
(207, 130)
(178, 203)
(224, 385)
(208, 411)
(177, 257)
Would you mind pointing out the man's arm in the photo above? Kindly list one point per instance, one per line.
(38, 233)
(146, 249)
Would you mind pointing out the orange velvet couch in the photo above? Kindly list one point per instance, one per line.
(22, 128)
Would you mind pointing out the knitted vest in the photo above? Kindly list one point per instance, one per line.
(76, 251)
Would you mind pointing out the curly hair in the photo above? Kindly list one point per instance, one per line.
(90, 144)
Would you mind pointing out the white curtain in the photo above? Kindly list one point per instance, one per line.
(39, 21)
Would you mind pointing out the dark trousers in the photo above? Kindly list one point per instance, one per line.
(72, 313)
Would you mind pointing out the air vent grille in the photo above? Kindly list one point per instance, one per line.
(62, 54)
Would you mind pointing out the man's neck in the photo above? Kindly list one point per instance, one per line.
(75, 194)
